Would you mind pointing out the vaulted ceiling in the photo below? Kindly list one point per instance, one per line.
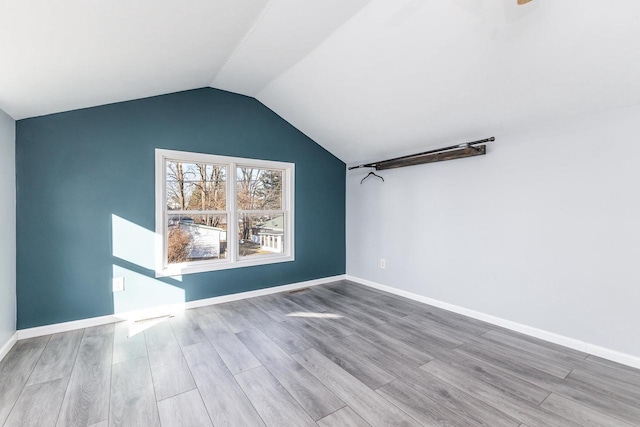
(364, 78)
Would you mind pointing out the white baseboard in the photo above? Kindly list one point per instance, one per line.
(68, 326)
(265, 291)
(8, 345)
(155, 311)
(596, 350)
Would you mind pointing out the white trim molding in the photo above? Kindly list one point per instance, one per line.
(6, 347)
(166, 310)
(592, 349)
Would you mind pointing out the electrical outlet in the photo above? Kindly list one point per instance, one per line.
(118, 284)
(383, 263)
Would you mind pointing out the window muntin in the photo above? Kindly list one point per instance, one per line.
(203, 201)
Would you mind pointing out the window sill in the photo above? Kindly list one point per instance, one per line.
(206, 266)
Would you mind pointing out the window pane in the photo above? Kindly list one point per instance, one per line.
(261, 234)
(259, 189)
(196, 186)
(196, 237)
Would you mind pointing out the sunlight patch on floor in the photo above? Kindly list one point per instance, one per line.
(136, 327)
(314, 315)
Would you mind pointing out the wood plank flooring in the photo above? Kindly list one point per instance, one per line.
(333, 355)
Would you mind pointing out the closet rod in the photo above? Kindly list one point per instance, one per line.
(381, 164)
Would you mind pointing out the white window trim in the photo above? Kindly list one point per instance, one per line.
(233, 260)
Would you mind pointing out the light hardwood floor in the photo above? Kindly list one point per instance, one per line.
(333, 355)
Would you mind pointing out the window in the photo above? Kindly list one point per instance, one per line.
(217, 212)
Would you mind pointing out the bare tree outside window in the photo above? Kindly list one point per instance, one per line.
(197, 191)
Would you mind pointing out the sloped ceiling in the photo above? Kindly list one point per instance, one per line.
(68, 54)
(364, 78)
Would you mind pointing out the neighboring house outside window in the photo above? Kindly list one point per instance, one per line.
(203, 201)
(270, 233)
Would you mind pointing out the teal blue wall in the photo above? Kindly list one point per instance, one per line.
(78, 169)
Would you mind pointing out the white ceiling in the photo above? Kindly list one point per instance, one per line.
(68, 54)
(364, 78)
(406, 75)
